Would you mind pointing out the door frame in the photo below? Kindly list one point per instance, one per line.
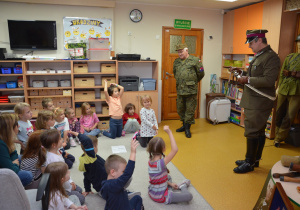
(163, 67)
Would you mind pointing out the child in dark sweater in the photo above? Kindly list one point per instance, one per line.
(119, 173)
(90, 163)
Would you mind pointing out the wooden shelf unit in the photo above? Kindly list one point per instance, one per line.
(146, 69)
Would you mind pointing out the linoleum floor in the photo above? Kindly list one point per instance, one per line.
(207, 159)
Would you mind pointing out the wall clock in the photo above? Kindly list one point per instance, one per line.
(135, 15)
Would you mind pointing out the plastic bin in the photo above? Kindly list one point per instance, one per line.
(16, 99)
(98, 54)
(2, 86)
(52, 83)
(65, 83)
(17, 70)
(38, 83)
(5, 70)
(149, 83)
(11, 84)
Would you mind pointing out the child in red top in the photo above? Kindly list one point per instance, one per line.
(131, 120)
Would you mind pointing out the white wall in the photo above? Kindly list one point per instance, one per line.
(143, 40)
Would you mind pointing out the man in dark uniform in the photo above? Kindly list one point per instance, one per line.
(262, 75)
(188, 71)
(288, 102)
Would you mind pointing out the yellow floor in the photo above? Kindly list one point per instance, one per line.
(207, 159)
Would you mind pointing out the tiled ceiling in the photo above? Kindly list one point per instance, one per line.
(205, 4)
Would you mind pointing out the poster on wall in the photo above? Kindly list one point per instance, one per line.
(80, 29)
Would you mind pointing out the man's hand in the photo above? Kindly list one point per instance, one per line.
(243, 80)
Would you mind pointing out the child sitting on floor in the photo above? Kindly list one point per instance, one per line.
(74, 124)
(58, 198)
(131, 120)
(119, 173)
(88, 121)
(160, 188)
(90, 163)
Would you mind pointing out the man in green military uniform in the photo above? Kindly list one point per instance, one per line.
(288, 102)
(188, 71)
(262, 75)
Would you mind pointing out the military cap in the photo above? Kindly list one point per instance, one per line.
(298, 38)
(253, 34)
(181, 46)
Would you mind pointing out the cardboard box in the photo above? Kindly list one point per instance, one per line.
(108, 68)
(84, 95)
(33, 92)
(59, 104)
(80, 68)
(43, 92)
(51, 92)
(35, 111)
(58, 91)
(84, 82)
(103, 125)
(109, 80)
(67, 103)
(37, 105)
(67, 92)
(105, 110)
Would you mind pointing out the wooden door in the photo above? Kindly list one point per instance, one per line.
(171, 38)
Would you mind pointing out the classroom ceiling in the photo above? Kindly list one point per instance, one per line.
(205, 4)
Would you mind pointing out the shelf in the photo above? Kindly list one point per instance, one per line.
(48, 74)
(10, 75)
(93, 73)
(96, 100)
(137, 61)
(84, 61)
(236, 110)
(91, 87)
(11, 89)
(50, 96)
(5, 104)
(49, 88)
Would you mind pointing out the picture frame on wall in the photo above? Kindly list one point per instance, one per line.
(279, 199)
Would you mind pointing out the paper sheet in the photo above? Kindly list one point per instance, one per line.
(118, 149)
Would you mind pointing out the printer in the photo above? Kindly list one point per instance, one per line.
(128, 57)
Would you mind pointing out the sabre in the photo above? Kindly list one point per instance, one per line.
(237, 73)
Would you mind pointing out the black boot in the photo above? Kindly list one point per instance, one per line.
(187, 131)
(182, 128)
(248, 164)
(260, 148)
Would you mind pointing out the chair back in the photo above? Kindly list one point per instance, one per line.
(12, 193)
(43, 191)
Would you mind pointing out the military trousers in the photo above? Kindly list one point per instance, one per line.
(287, 108)
(186, 106)
(255, 122)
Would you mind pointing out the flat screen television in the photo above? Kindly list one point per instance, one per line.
(32, 35)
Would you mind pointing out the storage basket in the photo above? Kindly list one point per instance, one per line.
(81, 68)
(67, 93)
(103, 125)
(105, 110)
(84, 82)
(108, 68)
(149, 83)
(38, 83)
(84, 95)
(52, 83)
(109, 80)
(65, 83)
(16, 99)
(5, 70)
(11, 84)
(63, 71)
(17, 70)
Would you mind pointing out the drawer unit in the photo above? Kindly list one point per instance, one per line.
(59, 92)
(84, 82)
(84, 95)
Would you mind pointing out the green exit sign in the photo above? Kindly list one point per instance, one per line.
(182, 24)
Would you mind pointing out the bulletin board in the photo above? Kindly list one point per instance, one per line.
(81, 29)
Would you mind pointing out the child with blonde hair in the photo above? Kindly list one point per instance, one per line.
(131, 120)
(52, 142)
(149, 126)
(62, 125)
(45, 120)
(47, 104)
(34, 158)
(24, 113)
(88, 121)
(74, 124)
(113, 99)
(161, 185)
(58, 198)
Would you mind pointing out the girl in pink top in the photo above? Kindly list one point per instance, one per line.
(113, 96)
(88, 121)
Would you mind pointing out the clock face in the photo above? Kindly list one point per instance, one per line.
(135, 15)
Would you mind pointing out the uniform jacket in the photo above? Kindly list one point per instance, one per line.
(290, 85)
(188, 73)
(263, 72)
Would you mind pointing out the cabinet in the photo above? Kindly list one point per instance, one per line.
(19, 91)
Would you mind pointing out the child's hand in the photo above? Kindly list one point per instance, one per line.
(86, 193)
(73, 185)
(74, 133)
(64, 144)
(16, 161)
(66, 154)
(82, 207)
(156, 132)
(167, 129)
(134, 145)
(105, 81)
(174, 186)
(22, 146)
